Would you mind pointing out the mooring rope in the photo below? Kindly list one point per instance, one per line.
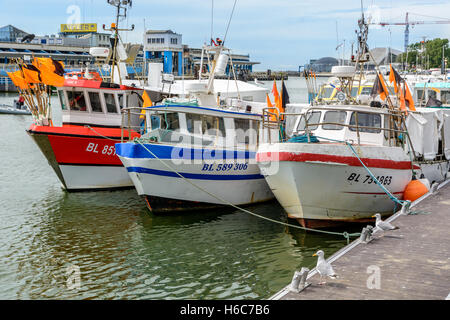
(100, 135)
(346, 235)
(390, 195)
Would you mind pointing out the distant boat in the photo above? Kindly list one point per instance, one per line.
(16, 109)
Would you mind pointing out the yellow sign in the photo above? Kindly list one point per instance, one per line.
(81, 27)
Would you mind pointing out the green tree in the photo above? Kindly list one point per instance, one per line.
(427, 54)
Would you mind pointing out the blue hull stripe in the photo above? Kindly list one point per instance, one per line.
(137, 151)
(196, 176)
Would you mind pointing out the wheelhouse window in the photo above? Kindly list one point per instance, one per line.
(242, 124)
(110, 102)
(122, 101)
(327, 92)
(365, 119)
(194, 123)
(62, 99)
(366, 91)
(77, 101)
(420, 94)
(96, 105)
(389, 122)
(354, 92)
(432, 94)
(242, 127)
(337, 117)
(213, 126)
(445, 97)
(156, 122)
(170, 121)
(313, 117)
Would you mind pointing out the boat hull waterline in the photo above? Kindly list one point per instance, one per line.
(322, 185)
(235, 179)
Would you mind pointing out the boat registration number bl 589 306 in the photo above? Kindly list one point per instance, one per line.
(225, 167)
(384, 180)
(106, 149)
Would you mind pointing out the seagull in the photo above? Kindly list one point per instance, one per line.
(383, 225)
(323, 267)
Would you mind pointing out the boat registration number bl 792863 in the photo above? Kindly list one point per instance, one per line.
(384, 180)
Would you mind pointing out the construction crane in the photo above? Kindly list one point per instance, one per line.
(408, 23)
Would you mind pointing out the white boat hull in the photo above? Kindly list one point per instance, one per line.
(93, 177)
(10, 110)
(240, 183)
(322, 184)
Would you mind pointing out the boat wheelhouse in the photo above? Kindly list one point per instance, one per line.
(194, 157)
(81, 151)
(426, 93)
(328, 93)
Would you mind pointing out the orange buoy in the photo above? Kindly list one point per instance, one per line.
(415, 189)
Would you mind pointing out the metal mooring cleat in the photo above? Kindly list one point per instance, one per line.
(434, 187)
(406, 207)
(295, 282)
(366, 234)
(304, 275)
(298, 282)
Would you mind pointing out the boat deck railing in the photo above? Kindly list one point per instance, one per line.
(126, 125)
(394, 135)
(129, 114)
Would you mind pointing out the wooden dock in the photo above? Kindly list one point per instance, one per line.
(411, 263)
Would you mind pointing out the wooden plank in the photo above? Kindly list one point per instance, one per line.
(414, 261)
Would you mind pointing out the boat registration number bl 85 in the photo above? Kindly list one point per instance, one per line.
(106, 149)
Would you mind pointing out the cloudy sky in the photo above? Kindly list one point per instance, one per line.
(281, 34)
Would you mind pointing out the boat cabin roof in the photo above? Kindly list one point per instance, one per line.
(348, 107)
(205, 111)
(95, 84)
(429, 85)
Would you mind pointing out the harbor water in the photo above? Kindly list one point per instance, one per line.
(121, 251)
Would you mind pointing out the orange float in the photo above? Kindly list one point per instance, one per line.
(416, 189)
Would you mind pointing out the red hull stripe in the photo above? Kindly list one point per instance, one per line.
(351, 161)
(87, 150)
(77, 145)
(376, 193)
(81, 131)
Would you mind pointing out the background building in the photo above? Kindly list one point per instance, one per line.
(322, 65)
(383, 56)
(164, 46)
(71, 45)
(10, 33)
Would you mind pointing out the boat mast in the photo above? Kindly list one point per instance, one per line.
(362, 54)
(122, 7)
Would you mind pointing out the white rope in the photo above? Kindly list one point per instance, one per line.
(344, 234)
